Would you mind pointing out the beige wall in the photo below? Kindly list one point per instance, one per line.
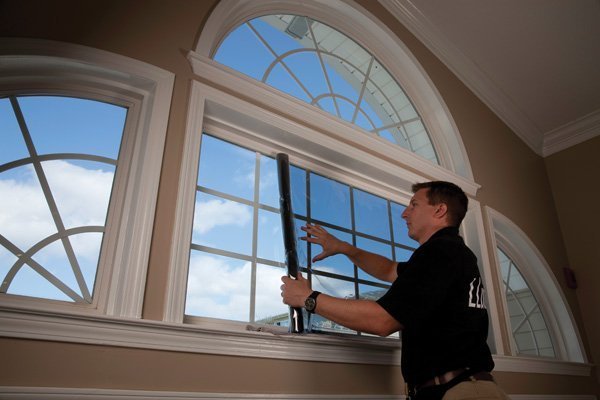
(514, 181)
(575, 177)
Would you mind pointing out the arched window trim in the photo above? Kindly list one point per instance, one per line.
(44, 67)
(364, 28)
(473, 232)
(536, 271)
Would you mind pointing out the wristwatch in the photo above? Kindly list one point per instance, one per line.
(311, 302)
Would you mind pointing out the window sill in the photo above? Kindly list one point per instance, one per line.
(156, 335)
(234, 340)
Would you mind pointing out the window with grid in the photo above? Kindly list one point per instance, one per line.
(237, 256)
(528, 326)
(57, 166)
(323, 67)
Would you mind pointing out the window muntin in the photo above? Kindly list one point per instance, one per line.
(240, 282)
(321, 66)
(528, 326)
(58, 162)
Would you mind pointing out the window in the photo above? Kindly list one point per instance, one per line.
(57, 170)
(529, 329)
(249, 122)
(237, 256)
(81, 130)
(322, 66)
(535, 309)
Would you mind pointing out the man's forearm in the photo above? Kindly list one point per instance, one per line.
(360, 315)
(374, 264)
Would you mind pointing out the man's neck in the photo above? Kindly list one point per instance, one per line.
(431, 232)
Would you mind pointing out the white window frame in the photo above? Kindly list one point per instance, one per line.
(30, 66)
(340, 150)
(542, 282)
(364, 28)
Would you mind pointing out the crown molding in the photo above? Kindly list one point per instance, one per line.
(571, 134)
(467, 71)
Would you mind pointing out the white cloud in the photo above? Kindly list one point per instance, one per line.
(220, 288)
(81, 196)
(218, 212)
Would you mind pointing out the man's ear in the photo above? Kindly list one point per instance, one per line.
(441, 210)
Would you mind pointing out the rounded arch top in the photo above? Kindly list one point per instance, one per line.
(539, 276)
(358, 23)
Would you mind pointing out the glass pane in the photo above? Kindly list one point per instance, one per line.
(227, 168)
(73, 185)
(337, 264)
(280, 44)
(371, 214)
(268, 184)
(342, 79)
(269, 306)
(373, 247)
(529, 328)
(222, 224)
(78, 189)
(330, 201)
(27, 282)
(24, 211)
(306, 67)
(332, 287)
(270, 236)
(218, 287)
(298, 180)
(69, 125)
(284, 80)
(243, 51)
(54, 258)
(290, 40)
(371, 292)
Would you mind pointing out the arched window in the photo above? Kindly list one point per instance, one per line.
(324, 67)
(311, 99)
(536, 311)
(56, 176)
(528, 326)
(81, 129)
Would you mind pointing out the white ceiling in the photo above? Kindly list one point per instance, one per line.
(535, 63)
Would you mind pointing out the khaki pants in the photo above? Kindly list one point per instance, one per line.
(480, 390)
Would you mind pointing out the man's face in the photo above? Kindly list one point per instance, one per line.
(419, 216)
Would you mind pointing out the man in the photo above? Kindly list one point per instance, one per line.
(436, 299)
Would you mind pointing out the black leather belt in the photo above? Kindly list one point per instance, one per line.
(450, 376)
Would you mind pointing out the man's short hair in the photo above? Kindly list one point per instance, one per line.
(448, 193)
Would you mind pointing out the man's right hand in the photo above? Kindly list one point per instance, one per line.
(318, 235)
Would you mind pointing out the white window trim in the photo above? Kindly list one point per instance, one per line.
(357, 23)
(543, 283)
(157, 335)
(474, 236)
(40, 66)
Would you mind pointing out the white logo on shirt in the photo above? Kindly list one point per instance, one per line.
(476, 294)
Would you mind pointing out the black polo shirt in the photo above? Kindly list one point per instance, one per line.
(438, 297)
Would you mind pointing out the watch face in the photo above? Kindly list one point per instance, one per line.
(310, 304)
